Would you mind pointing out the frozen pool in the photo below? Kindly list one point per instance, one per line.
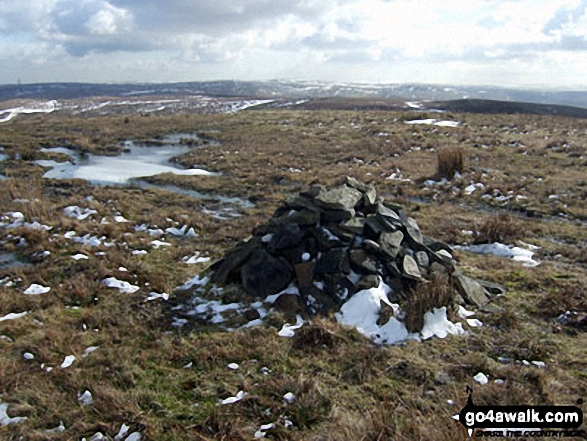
(138, 161)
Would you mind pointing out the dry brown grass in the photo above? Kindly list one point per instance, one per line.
(347, 388)
(503, 228)
(450, 161)
(423, 298)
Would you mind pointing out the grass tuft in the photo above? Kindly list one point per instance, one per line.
(450, 161)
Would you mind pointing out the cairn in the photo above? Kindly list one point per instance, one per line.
(333, 243)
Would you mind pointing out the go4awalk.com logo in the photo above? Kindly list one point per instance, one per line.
(520, 421)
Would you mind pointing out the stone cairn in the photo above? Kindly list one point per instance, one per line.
(335, 242)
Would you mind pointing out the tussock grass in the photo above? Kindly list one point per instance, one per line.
(423, 298)
(503, 228)
(450, 161)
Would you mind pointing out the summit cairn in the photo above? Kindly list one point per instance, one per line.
(330, 244)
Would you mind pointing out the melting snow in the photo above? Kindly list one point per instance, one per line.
(194, 281)
(13, 316)
(67, 361)
(474, 323)
(434, 122)
(78, 213)
(233, 366)
(239, 396)
(289, 397)
(85, 398)
(158, 243)
(436, 323)
(289, 330)
(481, 378)
(5, 420)
(362, 311)
(196, 259)
(79, 257)
(155, 295)
(498, 249)
(35, 289)
(125, 287)
(34, 107)
(463, 313)
(263, 430)
(58, 429)
(89, 350)
(183, 231)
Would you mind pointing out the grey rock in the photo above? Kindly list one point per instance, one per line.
(492, 288)
(390, 243)
(342, 234)
(436, 245)
(340, 198)
(333, 261)
(293, 255)
(265, 275)
(299, 217)
(335, 216)
(367, 282)
(354, 225)
(252, 314)
(390, 225)
(362, 262)
(228, 268)
(325, 240)
(413, 230)
(298, 202)
(356, 184)
(387, 212)
(373, 228)
(289, 304)
(422, 259)
(313, 191)
(317, 301)
(371, 245)
(370, 197)
(471, 290)
(305, 273)
(285, 236)
(386, 312)
(410, 268)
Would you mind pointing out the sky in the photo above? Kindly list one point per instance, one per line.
(511, 43)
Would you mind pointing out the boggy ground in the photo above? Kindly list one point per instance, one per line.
(166, 382)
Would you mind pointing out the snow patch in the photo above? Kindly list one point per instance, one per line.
(436, 323)
(362, 311)
(498, 249)
(125, 287)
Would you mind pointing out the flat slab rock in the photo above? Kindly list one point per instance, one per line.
(341, 198)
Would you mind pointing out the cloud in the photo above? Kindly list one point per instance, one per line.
(386, 40)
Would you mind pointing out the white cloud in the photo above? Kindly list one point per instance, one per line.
(369, 40)
(110, 20)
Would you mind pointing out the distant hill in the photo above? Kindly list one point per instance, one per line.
(294, 89)
(494, 106)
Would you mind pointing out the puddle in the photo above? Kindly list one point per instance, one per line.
(221, 207)
(139, 161)
(142, 160)
(11, 260)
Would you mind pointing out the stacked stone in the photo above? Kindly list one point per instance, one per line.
(335, 242)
